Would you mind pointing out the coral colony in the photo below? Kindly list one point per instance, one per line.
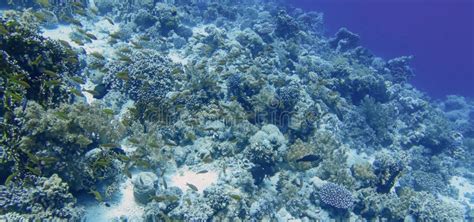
(217, 110)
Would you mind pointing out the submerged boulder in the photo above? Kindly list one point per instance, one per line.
(145, 185)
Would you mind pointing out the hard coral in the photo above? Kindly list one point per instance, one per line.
(44, 199)
(57, 140)
(336, 196)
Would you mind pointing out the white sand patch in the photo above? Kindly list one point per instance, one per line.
(200, 30)
(270, 183)
(62, 32)
(184, 176)
(126, 147)
(92, 4)
(88, 86)
(125, 206)
(101, 30)
(318, 182)
(125, 109)
(464, 186)
(353, 157)
(175, 57)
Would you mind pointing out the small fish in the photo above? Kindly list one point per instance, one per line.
(202, 171)
(10, 178)
(108, 111)
(94, 10)
(76, 92)
(107, 204)
(192, 187)
(102, 163)
(48, 160)
(97, 55)
(53, 82)
(137, 45)
(77, 4)
(154, 144)
(126, 169)
(109, 145)
(165, 185)
(188, 201)
(20, 82)
(127, 173)
(207, 159)
(97, 195)
(77, 80)
(123, 75)
(145, 38)
(79, 42)
(121, 155)
(37, 61)
(80, 30)
(125, 50)
(308, 158)
(3, 30)
(115, 35)
(35, 170)
(133, 140)
(75, 22)
(142, 163)
(50, 73)
(119, 151)
(91, 36)
(80, 12)
(14, 96)
(93, 92)
(113, 41)
(73, 60)
(236, 197)
(109, 20)
(64, 43)
(125, 58)
(43, 3)
(31, 157)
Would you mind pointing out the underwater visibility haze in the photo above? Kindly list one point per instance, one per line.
(218, 110)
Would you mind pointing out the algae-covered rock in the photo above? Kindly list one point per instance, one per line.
(145, 185)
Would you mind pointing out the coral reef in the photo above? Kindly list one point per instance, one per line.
(193, 110)
(336, 196)
(45, 199)
(77, 142)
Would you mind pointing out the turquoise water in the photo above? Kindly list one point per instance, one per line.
(192, 110)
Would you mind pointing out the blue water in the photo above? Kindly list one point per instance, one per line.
(439, 33)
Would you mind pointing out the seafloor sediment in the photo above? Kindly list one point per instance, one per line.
(194, 110)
